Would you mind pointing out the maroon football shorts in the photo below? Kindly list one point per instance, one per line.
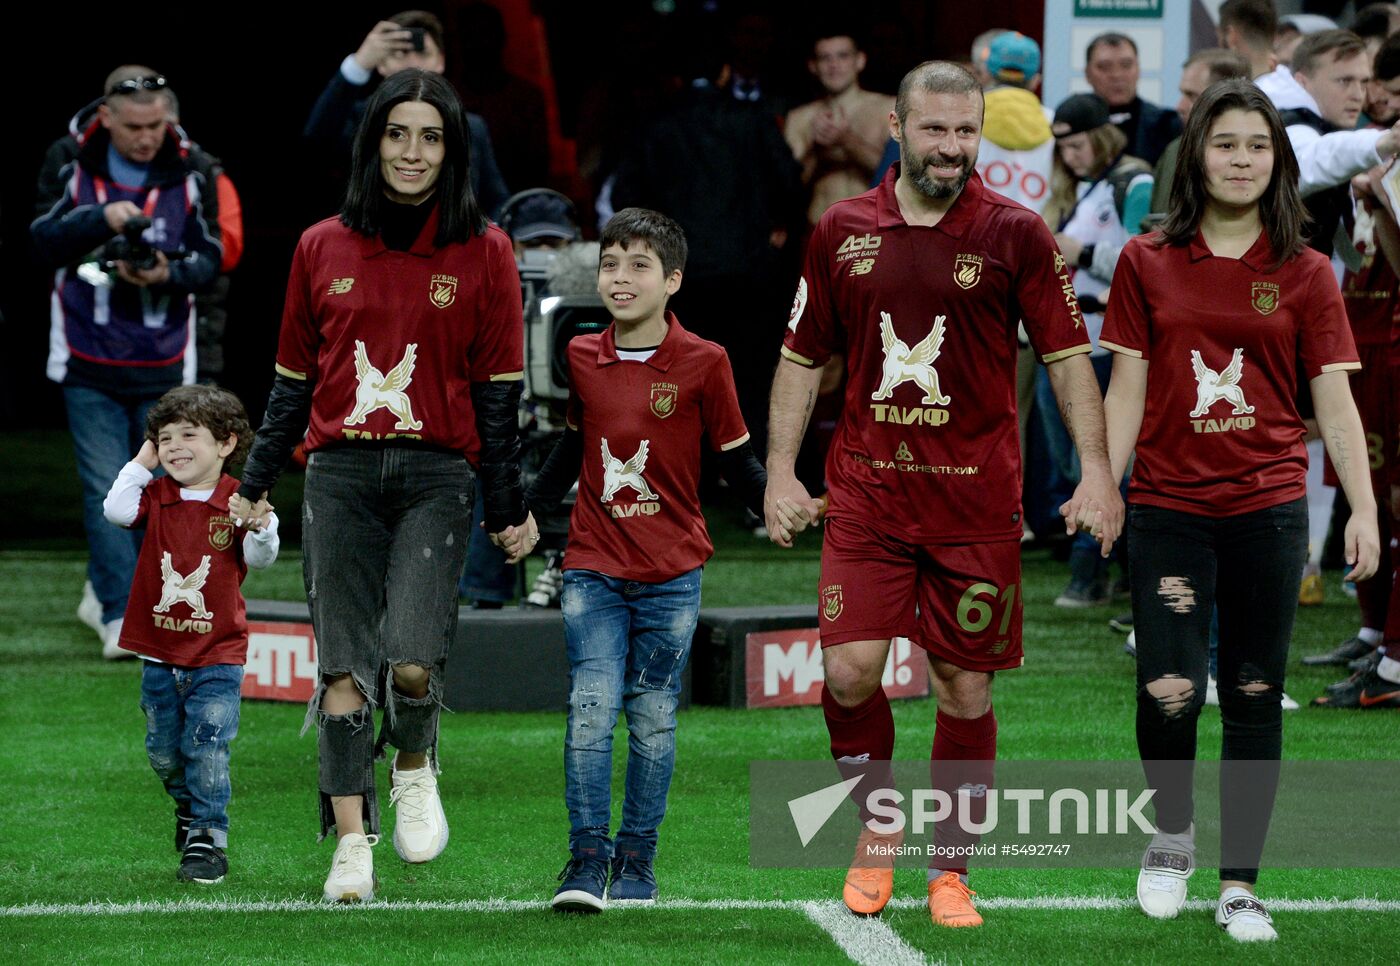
(961, 603)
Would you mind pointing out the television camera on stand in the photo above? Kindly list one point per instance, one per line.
(558, 281)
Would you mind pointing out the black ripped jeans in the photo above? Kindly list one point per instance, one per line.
(1247, 566)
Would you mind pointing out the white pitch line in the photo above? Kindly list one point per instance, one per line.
(867, 942)
(1052, 903)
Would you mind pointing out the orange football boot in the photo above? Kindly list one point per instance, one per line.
(870, 881)
(950, 902)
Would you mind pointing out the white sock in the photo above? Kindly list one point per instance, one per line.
(1370, 635)
(1389, 669)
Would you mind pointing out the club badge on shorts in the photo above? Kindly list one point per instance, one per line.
(831, 601)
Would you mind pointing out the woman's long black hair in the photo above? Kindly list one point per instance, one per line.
(1281, 207)
(459, 215)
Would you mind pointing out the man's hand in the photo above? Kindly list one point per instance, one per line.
(147, 456)
(253, 516)
(830, 128)
(158, 274)
(385, 40)
(518, 541)
(118, 213)
(1097, 507)
(788, 509)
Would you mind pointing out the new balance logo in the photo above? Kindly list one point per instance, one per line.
(339, 286)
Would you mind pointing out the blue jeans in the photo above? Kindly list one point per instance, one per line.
(107, 431)
(628, 643)
(487, 577)
(191, 716)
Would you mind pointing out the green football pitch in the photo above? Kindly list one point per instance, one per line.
(87, 865)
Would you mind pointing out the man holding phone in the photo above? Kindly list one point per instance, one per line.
(411, 38)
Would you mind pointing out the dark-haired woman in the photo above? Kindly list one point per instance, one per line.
(1211, 320)
(401, 346)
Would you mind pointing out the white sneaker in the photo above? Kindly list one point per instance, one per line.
(352, 876)
(1161, 885)
(1288, 703)
(1243, 917)
(111, 642)
(90, 610)
(1212, 693)
(420, 827)
(1130, 645)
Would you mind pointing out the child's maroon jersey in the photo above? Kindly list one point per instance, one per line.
(1225, 337)
(185, 606)
(394, 340)
(926, 447)
(638, 511)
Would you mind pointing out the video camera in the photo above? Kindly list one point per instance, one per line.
(551, 322)
(130, 247)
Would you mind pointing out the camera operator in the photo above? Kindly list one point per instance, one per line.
(541, 225)
(122, 300)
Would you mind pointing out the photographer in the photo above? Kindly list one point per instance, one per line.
(122, 296)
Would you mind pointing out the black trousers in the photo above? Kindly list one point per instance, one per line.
(1183, 567)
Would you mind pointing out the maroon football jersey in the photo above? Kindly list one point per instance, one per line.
(926, 448)
(638, 511)
(394, 340)
(1221, 433)
(185, 606)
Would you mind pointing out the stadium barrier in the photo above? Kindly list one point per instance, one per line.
(514, 659)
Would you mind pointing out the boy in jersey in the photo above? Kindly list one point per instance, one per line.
(185, 617)
(642, 395)
(920, 284)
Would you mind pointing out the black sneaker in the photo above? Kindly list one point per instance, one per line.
(1366, 691)
(202, 861)
(182, 826)
(633, 880)
(1344, 653)
(1122, 623)
(582, 885)
(1359, 669)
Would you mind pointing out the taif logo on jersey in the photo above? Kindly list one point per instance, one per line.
(618, 474)
(1264, 297)
(799, 302)
(967, 270)
(442, 290)
(663, 398)
(832, 601)
(220, 532)
(1213, 387)
(377, 391)
(176, 588)
(903, 364)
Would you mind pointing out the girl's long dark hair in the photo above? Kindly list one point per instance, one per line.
(1280, 206)
(459, 215)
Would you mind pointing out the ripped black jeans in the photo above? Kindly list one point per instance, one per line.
(1183, 566)
(384, 536)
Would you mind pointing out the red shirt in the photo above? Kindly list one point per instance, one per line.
(638, 511)
(1369, 296)
(185, 606)
(926, 447)
(1221, 434)
(394, 340)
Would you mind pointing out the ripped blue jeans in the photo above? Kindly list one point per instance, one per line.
(628, 643)
(191, 717)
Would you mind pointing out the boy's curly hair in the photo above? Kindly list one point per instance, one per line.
(217, 410)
